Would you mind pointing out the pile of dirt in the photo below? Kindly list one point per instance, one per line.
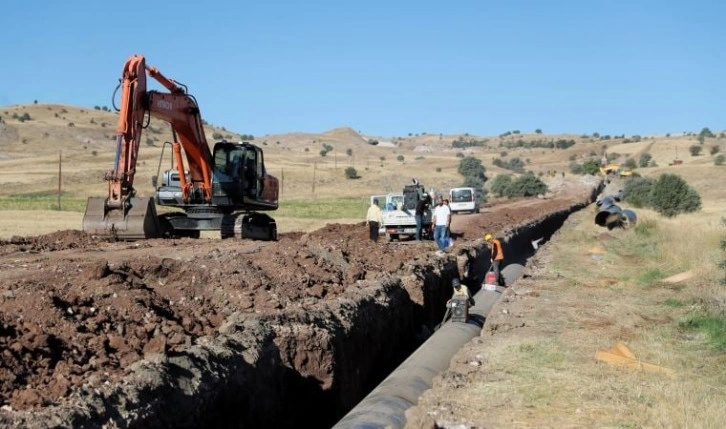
(77, 310)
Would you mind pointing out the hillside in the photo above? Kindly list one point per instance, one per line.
(85, 140)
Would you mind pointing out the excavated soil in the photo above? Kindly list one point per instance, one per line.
(77, 310)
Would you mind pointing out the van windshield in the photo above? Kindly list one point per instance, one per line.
(461, 196)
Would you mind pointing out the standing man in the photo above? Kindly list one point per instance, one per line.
(495, 246)
(441, 218)
(421, 206)
(374, 219)
(448, 227)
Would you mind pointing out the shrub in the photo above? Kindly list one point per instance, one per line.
(719, 160)
(526, 185)
(671, 196)
(714, 150)
(351, 173)
(400, 158)
(630, 164)
(217, 136)
(644, 160)
(576, 168)
(349, 152)
(591, 166)
(637, 191)
(695, 150)
(500, 184)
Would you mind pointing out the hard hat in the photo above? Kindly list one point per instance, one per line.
(487, 236)
(455, 282)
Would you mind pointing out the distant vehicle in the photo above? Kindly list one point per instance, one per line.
(402, 220)
(463, 200)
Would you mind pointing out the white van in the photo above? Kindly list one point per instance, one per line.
(463, 200)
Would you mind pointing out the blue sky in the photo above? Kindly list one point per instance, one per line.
(387, 68)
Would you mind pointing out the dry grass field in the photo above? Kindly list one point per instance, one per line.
(82, 141)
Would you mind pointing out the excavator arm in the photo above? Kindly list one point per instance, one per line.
(177, 108)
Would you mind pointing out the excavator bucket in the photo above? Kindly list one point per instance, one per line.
(136, 221)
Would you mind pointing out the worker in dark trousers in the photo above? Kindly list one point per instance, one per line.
(374, 219)
(421, 206)
(497, 258)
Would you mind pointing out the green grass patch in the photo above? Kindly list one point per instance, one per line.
(650, 276)
(43, 200)
(673, 303)
(338, 208)
(646, 228)
(713, 327)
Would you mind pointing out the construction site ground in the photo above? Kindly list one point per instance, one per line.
(77, 311)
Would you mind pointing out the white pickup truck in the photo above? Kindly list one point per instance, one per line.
(399, 213)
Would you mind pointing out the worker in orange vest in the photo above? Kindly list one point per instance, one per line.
(497, 254)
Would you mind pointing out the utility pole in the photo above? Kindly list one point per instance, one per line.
(315, 166)
(60, 161)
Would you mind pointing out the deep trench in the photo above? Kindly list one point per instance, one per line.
(379, 339)
(304, 368)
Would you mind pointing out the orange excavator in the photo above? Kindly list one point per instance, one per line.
(225, 189)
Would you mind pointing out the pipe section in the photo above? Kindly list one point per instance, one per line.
(386, 405)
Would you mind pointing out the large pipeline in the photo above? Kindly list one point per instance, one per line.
(386, 405)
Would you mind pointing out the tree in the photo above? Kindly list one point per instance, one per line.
(705, 132)
(538, 131)
(719, 160)
(526, 185)
(500, 184)
(671, 196)
(349, 152)
(695, 150)
(351, 173)
(715, 149)
(472, 167)
(400, 158)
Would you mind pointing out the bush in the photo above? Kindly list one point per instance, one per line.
(630, 164)
(637, 191)
(644, 160)
(526, 185)
(671, 196)
(500, 184)
(719, 160)
(576, 168)
(591, 166)
(351, 173)
(400, 158)
(715, 150)
(695, 150)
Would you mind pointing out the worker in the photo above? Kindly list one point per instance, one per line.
(441, 219)
(374, 219)
(460, 291)
(448, 226)
(497, 257)
(421, 206)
